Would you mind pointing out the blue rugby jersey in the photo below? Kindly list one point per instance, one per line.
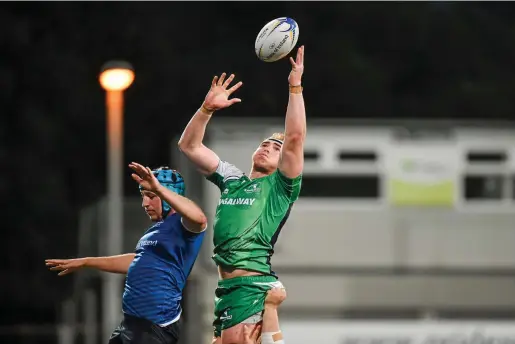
(164, 258)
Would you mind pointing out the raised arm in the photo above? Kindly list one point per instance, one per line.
(292, 156)
(191, 139)
(193, 217)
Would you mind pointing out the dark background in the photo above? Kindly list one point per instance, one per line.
(363, 60)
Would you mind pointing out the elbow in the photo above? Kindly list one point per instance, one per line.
(195, 224)
(184, 146)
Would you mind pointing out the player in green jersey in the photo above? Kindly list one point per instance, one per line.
(252, 209)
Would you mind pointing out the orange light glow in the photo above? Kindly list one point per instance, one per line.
(116, 79)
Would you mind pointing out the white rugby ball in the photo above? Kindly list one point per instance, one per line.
(276, 39)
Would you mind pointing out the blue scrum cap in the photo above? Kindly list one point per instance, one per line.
(170, 179)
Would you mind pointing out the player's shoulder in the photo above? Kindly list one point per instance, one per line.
(229, 171)
(172, 221)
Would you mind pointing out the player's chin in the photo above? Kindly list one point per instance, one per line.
(263, 164)
(153, 216)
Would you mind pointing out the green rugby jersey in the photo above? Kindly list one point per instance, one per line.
(249, 216)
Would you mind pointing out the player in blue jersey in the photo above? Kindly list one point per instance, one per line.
(163, 259)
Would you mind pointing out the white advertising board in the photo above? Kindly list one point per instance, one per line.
(398, 332)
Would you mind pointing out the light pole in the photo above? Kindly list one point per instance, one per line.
(115, 77)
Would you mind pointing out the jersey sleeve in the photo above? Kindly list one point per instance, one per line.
(287, 187)
(224, 173)
(186, 232)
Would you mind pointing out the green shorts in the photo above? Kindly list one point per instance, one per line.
(239, 298)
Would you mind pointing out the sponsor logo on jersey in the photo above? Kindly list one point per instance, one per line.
(236, 201)
(143, 243)
(225, 316)
(253, 188)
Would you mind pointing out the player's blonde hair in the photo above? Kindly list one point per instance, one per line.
(277, 136)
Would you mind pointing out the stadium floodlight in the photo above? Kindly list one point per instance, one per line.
(115, 77)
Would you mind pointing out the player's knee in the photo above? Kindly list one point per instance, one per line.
(272, 338)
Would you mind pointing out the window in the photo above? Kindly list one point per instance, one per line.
(311, 156)
(485, 187)
(342, 186)
(487, 157)
(355, 156)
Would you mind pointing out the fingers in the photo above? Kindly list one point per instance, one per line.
(50, 262)
(234, 101)
(251, 336)
(221, 80)
(224, 84)
(136, 178)
(246, 333)
(213, 83)
(228, 81)
(62, 273)
(138, 168)
(300, 55)
(292, 61)
(66, 272)
(142, 173)
(234, 88)
(299, 59)
(255, 333)
(57, 268)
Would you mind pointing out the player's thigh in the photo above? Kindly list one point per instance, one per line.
(234, 335)
(216, 340)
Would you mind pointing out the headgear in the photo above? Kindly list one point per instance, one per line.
(170, 179)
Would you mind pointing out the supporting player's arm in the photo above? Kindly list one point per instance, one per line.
(191, 139)
(115, 264)
(292, 156)
(270, 330)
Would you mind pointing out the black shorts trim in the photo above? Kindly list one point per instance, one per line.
(133, 330)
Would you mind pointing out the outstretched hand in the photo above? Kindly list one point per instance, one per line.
(144, 177)
(218, 96)
(297, 68)
(65, 266)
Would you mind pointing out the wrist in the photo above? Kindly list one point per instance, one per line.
(271, 306)
(87, 262)
(159, 190)
(296, 88)
(206, 110)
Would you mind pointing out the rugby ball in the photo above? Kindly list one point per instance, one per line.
(276, 39)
